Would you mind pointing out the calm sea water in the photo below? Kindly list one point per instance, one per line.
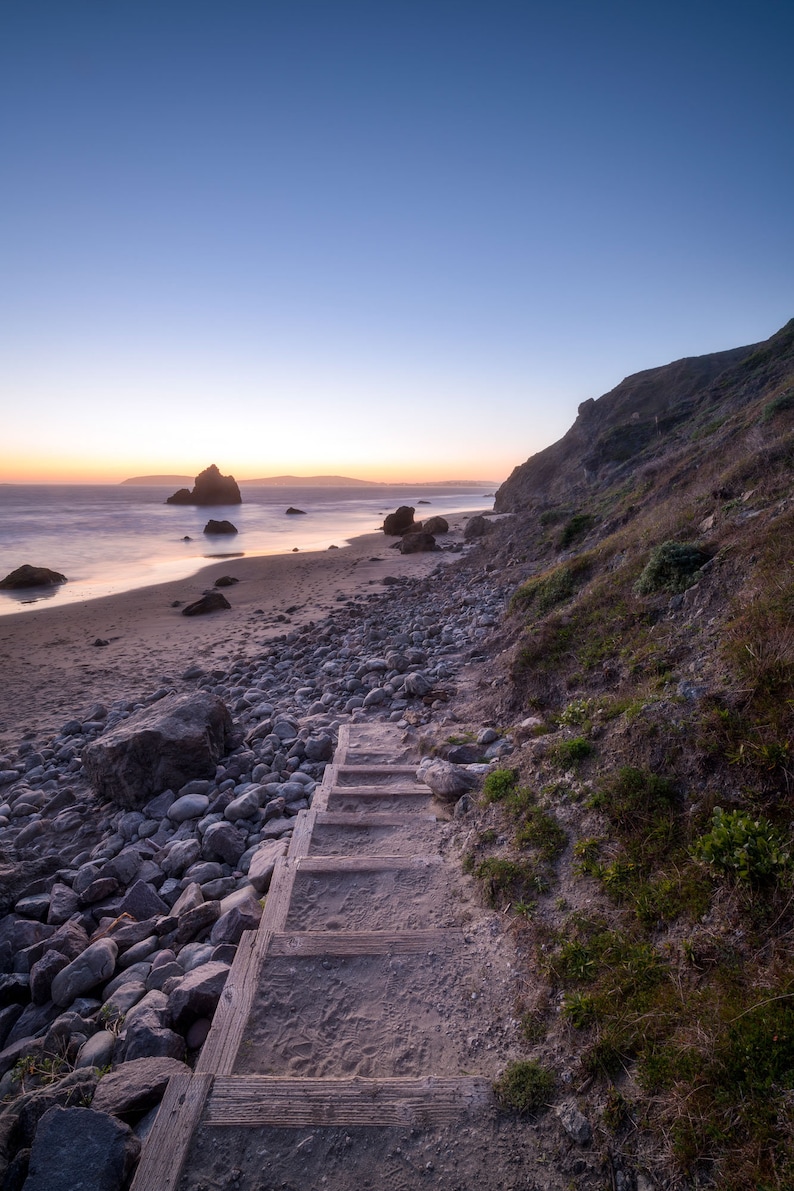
(110, 538)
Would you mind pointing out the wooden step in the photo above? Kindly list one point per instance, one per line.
(364, 864)
(373, 942)
(380, 792)
(262, 1100)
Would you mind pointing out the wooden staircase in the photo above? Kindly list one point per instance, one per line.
(302, 1037)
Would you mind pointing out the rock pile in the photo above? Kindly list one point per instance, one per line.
(126, 882)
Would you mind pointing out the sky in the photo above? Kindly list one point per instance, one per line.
(391, 240)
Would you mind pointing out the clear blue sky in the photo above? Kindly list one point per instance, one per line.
(397, 238)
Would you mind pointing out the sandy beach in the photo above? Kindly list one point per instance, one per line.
(52, 669)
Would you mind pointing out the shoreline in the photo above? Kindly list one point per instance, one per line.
(53, 669)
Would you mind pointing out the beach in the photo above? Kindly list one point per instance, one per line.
(53, 669)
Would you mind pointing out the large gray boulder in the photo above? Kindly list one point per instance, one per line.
(418, 543)
(197, 994)
(179, 738)
(136, 1086)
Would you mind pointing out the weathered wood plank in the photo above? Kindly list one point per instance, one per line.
(378, 942)
(219, 1052)
(302, 833)
(277, 902)
(166, 1146)
(258, 1100)
(364, 864)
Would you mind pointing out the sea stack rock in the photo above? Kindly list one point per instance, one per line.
(211, 488)
(219, 527)
(28, 576)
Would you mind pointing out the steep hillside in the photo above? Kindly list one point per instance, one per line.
(640, 833)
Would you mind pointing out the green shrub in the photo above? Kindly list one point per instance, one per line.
(577, 527)
(498, 784)
(544, 592)
(568, 753)
(780, 404)
(524, 1087)
(671, 567)
(751, 850)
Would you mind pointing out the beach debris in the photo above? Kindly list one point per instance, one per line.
(211, 488)
(292, 511)
(28, 576)
(212, 601)
(226, 581)
(100, 641)
(398, 522)
(164, 746)
(213, 526)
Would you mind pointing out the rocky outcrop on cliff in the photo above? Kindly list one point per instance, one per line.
(634, 420)
(211, 488)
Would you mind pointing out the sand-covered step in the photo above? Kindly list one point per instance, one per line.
(349, 775)
(399, 897)
(382, 798)
(366, 1015)
(337, 833)
(297, 1103)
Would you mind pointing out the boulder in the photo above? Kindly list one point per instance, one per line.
(93, 967)
(436, 525)
(179, 738)
(28, 576)
(293, 512)
(214, 526)
(213, 601)
(242, 917)
(447, 781)
(81, 1147)
(211, 488)
(263, 862)
(418, 543)
(223, 842)
(477, 527)
(197, 994)
(398, 522)
(224, 581)
(136, 1086)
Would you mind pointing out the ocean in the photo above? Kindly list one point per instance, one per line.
(111, 538)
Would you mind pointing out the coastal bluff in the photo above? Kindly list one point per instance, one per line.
(210, 488)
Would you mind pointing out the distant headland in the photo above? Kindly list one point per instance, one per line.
(317, 482)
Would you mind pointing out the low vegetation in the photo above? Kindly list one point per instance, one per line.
(641, 840)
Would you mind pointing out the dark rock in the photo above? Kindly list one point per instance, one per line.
(197, 994)
(211, 488)
(477, 527)
(8, 1019)
(302, 512)
(43, 973)
(142, 901)
(136, 1086)
(417, 543)
(93, 967)
(80, 1147)
(213, 526)
(19, 1120)
(398, 522)
(223, 842)
(436, 525)
(464, 754)
(28, 576)
(179, 738)
(224, 581)
(144, 1041)
(213, 601)
(230, 926)
(445, 780)
(197, 920)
